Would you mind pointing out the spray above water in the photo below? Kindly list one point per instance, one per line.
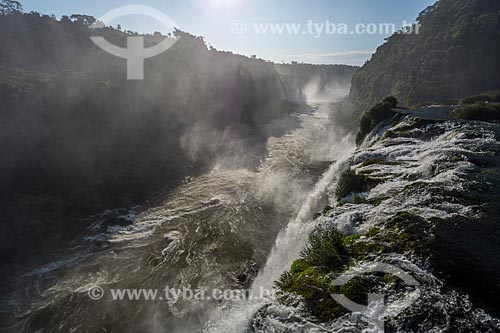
(235, 317)
(292, 240)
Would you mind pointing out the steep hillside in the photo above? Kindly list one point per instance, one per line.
(455, 54)
(77, 137)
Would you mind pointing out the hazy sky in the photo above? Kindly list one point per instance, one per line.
(234, 25)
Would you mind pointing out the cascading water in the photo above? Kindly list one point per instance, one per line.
(234, 317)
(214, 231)
(241, 229)
(289, 243)
(424, 169)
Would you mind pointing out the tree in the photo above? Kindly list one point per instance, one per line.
(83, 20)
(391, 100)
(10, 6)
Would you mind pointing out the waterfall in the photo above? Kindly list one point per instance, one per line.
(287, 248)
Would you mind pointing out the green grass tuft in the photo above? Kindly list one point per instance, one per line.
(324, 249)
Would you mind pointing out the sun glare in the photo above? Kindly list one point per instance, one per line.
(224, 3)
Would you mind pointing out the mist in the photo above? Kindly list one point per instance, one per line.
(206, 130)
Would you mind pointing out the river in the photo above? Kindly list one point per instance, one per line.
(223, 230)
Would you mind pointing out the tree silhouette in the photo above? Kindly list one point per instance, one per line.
(10, 6)
(83, 20)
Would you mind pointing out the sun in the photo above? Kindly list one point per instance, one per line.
(225, 3)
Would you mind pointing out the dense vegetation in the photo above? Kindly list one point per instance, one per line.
(480, 98)
(74, 127)
(455, 54)
(477, 111)
(330, 253)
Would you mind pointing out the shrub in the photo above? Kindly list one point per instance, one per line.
(349, 182)
(286, 281)
(371, 118)
(379, 112)
(391, 100)
(365, 123)
(474, 99)
(324, 249)
(477, 111)
(298, 266)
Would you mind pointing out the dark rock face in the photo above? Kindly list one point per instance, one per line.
(466, 252)
(76, 137)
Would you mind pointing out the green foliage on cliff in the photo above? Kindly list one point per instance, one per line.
(330, 253)
(455, 54)
(324, 250)
(348, 183)
(371, 118)
(73, 127)
(493, 96)
(477, 111)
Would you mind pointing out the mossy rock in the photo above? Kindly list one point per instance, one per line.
(315, 287)
(348, 240)
(389, 135)
(361, 249)
(357, 289)
(325, 212)
(391, 100)
(352, 182)
(405, 232)
(329, 253)
(477, 111)
(415, 186)
(457, 158)
(373, 231)
(349, 182)
(377, 201)
(377, 161)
